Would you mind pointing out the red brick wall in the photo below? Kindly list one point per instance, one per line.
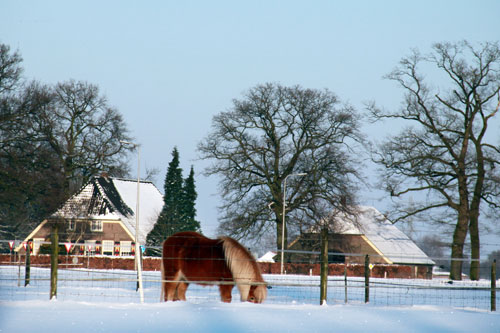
(154, 264)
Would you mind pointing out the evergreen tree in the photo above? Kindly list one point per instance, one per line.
(189, 222)
(171, 213)
(178, 213)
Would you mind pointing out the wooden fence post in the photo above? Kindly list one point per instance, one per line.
(27, 272)
(18, 269)
(324, 266)
(494, 285)
(367, 279)
(345, 283)
(54, 260)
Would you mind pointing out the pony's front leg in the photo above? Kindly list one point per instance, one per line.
(225, 292)
(180, 294)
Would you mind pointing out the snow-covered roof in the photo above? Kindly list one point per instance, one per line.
(268, 257)
(113, 198)
(150, 205)
(391, 242)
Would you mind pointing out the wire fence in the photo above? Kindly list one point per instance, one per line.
(77, 283)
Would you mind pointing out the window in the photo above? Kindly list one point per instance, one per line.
(71, 225)
(90, 247)
(36, 245)
(107, 247)
(96, 225)
(125, 248)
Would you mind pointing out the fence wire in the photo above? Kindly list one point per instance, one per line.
(92, 285)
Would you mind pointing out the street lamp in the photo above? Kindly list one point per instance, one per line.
(137, 247)
(283, 224)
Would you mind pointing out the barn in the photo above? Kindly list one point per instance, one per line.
(100, 218)
(353, 236)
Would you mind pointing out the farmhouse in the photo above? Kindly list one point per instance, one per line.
(100, 218)
(353, 236)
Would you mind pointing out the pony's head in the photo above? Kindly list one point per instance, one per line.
(245, 271)
(257, 294)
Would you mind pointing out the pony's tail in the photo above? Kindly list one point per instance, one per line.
(243, 268)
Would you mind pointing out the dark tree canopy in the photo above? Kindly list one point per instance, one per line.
(52, 140)
(271, 134)
(445, 153)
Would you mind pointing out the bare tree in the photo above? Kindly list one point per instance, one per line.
(10, 69)
(85, 133)
(445, 154)
(270, 134)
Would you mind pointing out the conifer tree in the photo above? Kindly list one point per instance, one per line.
(189, 222)
(178, 213)
(171, 213)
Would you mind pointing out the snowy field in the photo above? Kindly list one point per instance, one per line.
(106, 301)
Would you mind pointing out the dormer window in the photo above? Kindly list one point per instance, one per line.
(96, 225)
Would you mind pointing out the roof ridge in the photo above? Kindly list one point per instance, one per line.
(131, 180)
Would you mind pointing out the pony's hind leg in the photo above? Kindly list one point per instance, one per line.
(170, 291)
(225, 292)
(171, 287)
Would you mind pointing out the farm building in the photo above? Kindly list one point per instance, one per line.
(100, 218)
(353, 236)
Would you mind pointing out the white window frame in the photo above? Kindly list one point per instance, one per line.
(125, 248)
(96, 225)
(71, 225)
(92, 244)
(108, 246)
(36, 245)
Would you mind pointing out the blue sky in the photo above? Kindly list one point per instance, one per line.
(170, 66)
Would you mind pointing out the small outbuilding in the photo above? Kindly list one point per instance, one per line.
(100, 218)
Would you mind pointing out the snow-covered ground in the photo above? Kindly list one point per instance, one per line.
(106, 301)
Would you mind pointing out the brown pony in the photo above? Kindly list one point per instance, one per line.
(191, 257)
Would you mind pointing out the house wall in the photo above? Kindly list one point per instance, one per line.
(349, 244)
(112, 230)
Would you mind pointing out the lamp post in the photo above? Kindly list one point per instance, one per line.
(138, 265)
(284, 212)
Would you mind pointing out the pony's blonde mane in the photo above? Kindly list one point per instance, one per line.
(245, 270)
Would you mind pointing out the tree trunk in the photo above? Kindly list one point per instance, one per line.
(461, 229)
(474, 215)
(475, 248)
(457, 247)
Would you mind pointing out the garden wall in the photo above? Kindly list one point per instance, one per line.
(154, 264)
